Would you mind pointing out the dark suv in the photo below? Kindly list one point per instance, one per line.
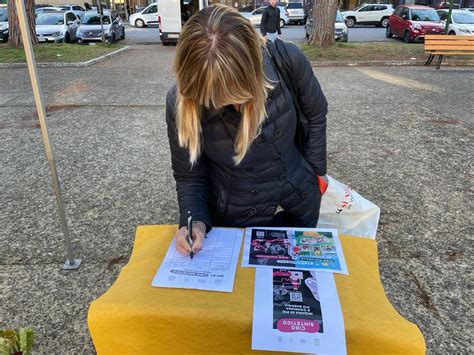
(413, 22)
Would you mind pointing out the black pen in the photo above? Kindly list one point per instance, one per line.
(190, 233)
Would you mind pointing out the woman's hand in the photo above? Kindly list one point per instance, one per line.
(182, 245)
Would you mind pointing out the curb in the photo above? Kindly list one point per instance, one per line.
(412, 63)
(67, 65)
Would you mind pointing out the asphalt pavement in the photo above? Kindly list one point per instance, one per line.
(400, 136)
(292, 33)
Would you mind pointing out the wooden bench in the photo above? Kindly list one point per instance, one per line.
(447, 45)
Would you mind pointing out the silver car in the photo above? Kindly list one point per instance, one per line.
(77, 9)
(90, 28)
(56, 26)
(255, 16)
(3, 24)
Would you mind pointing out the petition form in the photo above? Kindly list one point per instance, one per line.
(212, 268)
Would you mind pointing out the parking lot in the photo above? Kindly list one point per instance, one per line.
(294, 33)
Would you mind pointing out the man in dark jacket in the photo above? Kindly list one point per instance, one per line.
(270, 24)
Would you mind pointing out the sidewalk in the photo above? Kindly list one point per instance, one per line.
(401, 137)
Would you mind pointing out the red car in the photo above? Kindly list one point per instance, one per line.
(412, 22)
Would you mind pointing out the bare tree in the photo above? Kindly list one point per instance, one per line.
(324, 18)
(14, 34)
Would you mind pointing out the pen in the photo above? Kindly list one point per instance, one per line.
(190, 233)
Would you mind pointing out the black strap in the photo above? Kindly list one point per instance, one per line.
(282, 61)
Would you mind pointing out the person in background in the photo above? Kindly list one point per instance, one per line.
(231, 126)
(270, 24)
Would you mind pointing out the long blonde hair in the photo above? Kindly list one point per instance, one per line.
(219, 62)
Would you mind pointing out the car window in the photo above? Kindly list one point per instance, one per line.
(370, 8)
(70, 16)
(48, 18)
(404, 12)
(424, 15)
(466, 17)
(443, 15)
(93, 18)
(398, 11)
(259, 11)
(295, 5)
(3, 15)
(151, 10)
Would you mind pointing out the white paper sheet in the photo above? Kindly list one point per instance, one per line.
(212, 268)
(297, 311)
(294, 248)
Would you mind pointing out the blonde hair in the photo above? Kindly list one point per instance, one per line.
(219, 62)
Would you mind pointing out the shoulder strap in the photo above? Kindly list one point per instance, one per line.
(282, 62)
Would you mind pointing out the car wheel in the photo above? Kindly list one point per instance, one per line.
(165, 43)
(282, 23)
(384, 22)
(123, 33)
(452, 33)
(139, 23)
(307, 35)
(350, 22)
(113, 39)
(67, 38)
(388, 32)
(406, 37)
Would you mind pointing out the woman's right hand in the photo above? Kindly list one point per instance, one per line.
(182, 245)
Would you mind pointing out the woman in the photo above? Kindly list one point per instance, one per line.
(231, 127)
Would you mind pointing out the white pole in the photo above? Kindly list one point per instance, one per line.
(71, 263)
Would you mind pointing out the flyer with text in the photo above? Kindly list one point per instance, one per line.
(294, 248)
(297, 311)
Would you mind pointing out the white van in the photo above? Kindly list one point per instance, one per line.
(148, 16)
(173, 14)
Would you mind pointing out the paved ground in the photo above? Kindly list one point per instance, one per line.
(402, 137)
(292, 33)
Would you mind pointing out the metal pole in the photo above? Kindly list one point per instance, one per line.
(71, 263)
(448, 19)
(100, 12)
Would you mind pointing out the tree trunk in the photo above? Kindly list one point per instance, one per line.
(14, 34)
(324, 16)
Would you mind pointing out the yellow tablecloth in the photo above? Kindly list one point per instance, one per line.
(133, 317)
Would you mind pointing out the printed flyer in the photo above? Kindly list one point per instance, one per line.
(297, 311)
(294, 248)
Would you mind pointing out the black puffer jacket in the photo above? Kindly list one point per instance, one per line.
(273, 172)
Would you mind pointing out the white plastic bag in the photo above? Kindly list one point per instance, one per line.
(344, 209)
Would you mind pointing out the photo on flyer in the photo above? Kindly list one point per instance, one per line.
(297, 311)
(297, 248)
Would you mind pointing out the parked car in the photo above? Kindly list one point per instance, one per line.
(4, 24)
(368, 14)
(295, 12)
(340, 28)
(255, 16)
(413, 22)
(462, 22)
(469, 9)
(48, 8)
(56, 26)
(148, 16)
(77, 9)
(90, 29)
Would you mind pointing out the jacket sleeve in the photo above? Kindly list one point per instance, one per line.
(191, 182)
(278, 22)
(313, 106)
(263, 22)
